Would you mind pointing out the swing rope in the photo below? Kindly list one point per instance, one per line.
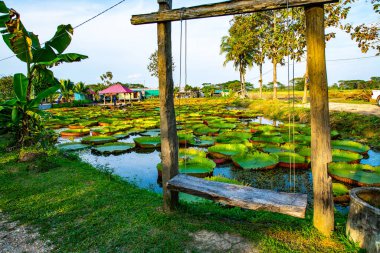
(291, 118)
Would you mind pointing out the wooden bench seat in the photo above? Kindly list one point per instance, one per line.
(293, 204)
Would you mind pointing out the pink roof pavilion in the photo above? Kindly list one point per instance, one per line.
(115, 89)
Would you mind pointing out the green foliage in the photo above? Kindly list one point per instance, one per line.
(153, 64)
(6, 87)
(21, 113)
(107, 78)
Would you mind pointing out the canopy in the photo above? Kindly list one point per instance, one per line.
(115, 89)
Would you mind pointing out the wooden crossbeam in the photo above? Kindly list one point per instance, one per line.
(232, 7)
(293, 204)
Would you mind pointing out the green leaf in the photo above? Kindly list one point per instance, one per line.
(68, 58)
(3, 19)
(61, 39)
(43, 95)
(20, 85)
(11, 102)
(15, 114)
(3, 7)
(45, 54)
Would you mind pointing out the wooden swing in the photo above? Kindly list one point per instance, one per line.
(288, 203)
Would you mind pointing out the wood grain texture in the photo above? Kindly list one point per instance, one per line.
(169, 140)
(293, 204)
(232, 7)
(320, 119)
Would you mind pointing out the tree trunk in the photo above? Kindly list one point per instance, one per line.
(169, 140)
(261, 81)
(274, 79)
(320, 125)
(305, 87)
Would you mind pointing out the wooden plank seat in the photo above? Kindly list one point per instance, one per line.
(293, 204)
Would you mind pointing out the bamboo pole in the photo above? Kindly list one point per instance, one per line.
(169, 140)
(320, 125)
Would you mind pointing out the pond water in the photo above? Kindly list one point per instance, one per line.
(139, 167)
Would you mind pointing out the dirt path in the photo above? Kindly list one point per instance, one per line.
(16, 238)
(364, 109)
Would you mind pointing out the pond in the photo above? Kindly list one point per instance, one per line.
(139, 167)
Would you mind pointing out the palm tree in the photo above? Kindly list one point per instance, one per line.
(80, 88)
(66, 87)
(239, 52)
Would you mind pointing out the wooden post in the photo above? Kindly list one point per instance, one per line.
(320, 120)
(169, 140)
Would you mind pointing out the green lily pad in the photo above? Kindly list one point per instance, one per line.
(256, 160)
(203, 141)
(350, 146)
(205, 130)
(222, 179)
(268, 139)
(345, 156)
(98, 140)
(226, 150)
(191, 153)
(114, 148)
(339, 189)
(356, 174)
(72, 146)
(288, 157)
(75, 132)
(197, 166)
(233, 137)
(148, 141)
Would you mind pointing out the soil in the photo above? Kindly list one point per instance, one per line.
(365, 109)
(17, 238)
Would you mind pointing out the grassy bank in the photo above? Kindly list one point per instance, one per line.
(80, 209)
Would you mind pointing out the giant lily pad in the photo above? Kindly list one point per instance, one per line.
(203, 141)
(72, 146)
(205, 130)
(355, 174)
(114, 148)
(75, 132)
(350, 146)
(292, 160)
(268, 139)
(225, 151)
(256, 160)
(191, 153)
(340, 193)
(196, 166)
(148, 141)
(233, 137)
(345, 156)
(98, 140)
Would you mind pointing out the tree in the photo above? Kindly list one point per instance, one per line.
(67, 89)
(107, 78)
(238, 49)
(80, 88)
(153, 64)
(25, 116)
(6, 88)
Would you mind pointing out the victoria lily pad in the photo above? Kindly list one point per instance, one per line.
(202, 141)
(72, 146)
(114, 148)
(148, 141)
(256, 160)
(355, 174)
(345, 156)
(340, 193)
(75, 132)
(222, 179)
(233, 137)
(190, 153)
(293, 160)
(268, 139)
(98, 140)
(197, 166)
(225, 151)
(350, 146)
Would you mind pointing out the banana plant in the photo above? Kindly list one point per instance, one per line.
(22, 112)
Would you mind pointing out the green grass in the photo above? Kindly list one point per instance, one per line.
(80, 209)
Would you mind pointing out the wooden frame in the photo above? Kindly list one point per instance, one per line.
(316, 65)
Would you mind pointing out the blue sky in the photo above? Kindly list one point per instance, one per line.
(113, 44)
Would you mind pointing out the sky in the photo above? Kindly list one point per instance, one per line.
(113, 44)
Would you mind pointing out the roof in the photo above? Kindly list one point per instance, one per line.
(115, 89)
